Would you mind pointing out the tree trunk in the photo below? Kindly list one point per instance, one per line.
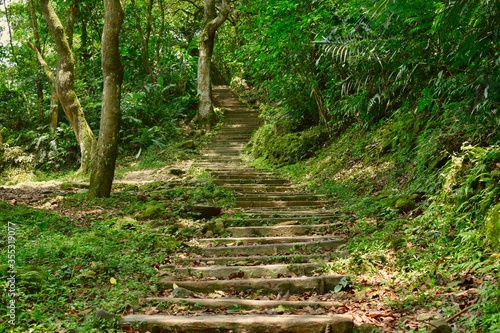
(36, 36)
(54, 100)
(103, 169)
(211, 23)
(65, 87)
(145, 37)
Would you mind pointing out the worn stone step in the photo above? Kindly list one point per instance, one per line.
(263, 204)
(249, 176)
(226, 302)
(289, 212)
(258, 188)
(221, 153)
(280, 230)
(297, 285)
(232, 241)
(252, 260)
(279, 197)
(242, 172)
(253, 220)
(228, 272)
(240, 323)
(271, 181)
(272, 249)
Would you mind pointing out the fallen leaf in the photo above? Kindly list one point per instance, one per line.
(112, 280)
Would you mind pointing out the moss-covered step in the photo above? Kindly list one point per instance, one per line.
(226, 302)
(234, 241)
(228, 272)
(281, 230)
(273, 249)
(296, 285)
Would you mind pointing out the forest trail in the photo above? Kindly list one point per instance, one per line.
(267, 272)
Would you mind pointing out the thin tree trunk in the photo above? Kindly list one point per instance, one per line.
(54, 100)
(145, 36)
(65, 87)
(70, 26)
(14, 55)
(211, 23)
(36, 36)
(103, 169)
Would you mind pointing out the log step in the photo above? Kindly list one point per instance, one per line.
(225, 302)
(272, 249)
(280, 230)
(230, 241)
(240, 323)
(297, 285)
(228, 272)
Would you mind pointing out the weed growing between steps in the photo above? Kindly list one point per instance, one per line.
(422, 204)
(85, 256)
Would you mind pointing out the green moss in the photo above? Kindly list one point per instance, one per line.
(492, 226)
(153, 210)
(404, 204)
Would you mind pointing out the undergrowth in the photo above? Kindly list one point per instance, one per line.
(424, 197)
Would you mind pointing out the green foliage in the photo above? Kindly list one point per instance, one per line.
(65, 267)
(288, 148)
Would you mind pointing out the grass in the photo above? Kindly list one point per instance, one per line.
(92, 255)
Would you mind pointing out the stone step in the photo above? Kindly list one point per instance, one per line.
(243, 241)
(279, 197)
(284, 212)
(240, 323)
(252, 260)
(272, 249)
(252, 220)
(280, 230)
(305, 203)
(249, 176)
(271, 181)
(242, 172)
(226, 302)
(222, 154)
(229, 272)
(258, 188)
(297, 285)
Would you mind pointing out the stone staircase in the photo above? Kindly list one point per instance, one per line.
(268, 273)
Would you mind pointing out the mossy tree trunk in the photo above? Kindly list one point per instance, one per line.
(103, 169)
(64, 78)
(211, 22)
(54, 100)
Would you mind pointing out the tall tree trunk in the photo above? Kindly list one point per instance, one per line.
(103, 169)
(14, 55)
(54, 100)
(145, 36)
(211, 23)
(65, 86)
(36, 36)
(70, 26)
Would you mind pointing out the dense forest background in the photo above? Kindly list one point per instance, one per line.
(389, 106)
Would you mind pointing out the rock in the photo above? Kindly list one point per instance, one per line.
(219, 225)
(425, 316)
(180, 292)
(177, 172)
(367, 328)
(404, 205)
(202, 212)
(126, 222)
(105, 315)
(209, 234)
(188, 144)
(439, 326)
